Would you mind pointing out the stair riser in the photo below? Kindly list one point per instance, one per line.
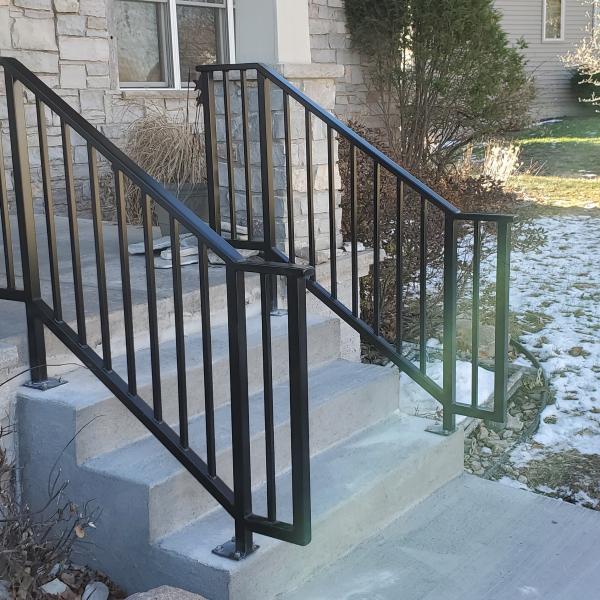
(180, 499)
(56, 352)
(113, 426)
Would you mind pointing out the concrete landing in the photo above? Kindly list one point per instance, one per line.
(472, 540)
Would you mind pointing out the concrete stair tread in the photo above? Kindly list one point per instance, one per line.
(95, 392)
(337, 475)
(147, 461)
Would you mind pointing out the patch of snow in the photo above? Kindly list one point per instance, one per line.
(412, 394)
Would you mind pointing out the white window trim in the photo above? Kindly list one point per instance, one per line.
(563, 7)
(174, 49)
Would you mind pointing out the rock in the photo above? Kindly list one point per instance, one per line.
(486, 450)
(522, 479)
(5, 590)
(55, 587)
(551, 420)
(166, 593)
(483, 433)
(514, 423)
(95, 591)
(507, 434)
(476, 466)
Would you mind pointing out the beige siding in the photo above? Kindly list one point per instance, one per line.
(523, 19)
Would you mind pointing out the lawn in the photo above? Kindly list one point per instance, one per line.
(562, 160)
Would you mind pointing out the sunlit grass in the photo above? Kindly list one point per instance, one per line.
(563, 162)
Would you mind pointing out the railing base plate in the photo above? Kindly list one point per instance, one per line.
(228, 550)
(439, 430)
(46, 384)
(279, 312)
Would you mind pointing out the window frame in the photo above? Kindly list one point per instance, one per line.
(170, 46)
(563, 7)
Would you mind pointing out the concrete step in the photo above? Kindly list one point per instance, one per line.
(471, 540)
(100, 423)
(358, 487)
(344, 398)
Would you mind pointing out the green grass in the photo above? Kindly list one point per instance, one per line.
(563, 160)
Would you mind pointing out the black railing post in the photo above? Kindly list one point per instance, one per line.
(502, 317)
(26, 223)
(240, 427)
(449, 356)
(207, 90)
(266, 174)
(299, 418)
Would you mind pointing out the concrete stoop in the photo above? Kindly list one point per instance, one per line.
(158, 525)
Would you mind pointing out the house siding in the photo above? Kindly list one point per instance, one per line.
(523, 19)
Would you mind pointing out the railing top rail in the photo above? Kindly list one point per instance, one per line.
(122, 162)
(335, 123)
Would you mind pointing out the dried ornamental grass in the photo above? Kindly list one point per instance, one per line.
(170, 148)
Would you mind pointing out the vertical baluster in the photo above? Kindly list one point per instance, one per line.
(125, 281)
(179, 334)
(209, 405)
(502, 307)
(288, 176)
(247, 161)
(312, 258)
(266, 302)
(475, 315)
(376, 249)
(240, 418)
(399, 263)
(49, 210)
(353, 229)
(100, 258)
(73, 230)
(266, 162)
(423, 289)
(5, 221)
(332, 206)
(229, 154)
(299, 421)
(26, 221)
(207, 83)
(152, 307)
(450, 285)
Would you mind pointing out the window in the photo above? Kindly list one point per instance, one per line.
(160, 42)
(554, 20)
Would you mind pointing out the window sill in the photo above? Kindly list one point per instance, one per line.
(156, 93)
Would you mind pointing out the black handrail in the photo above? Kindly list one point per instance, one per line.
(237, 501)
(428, 199)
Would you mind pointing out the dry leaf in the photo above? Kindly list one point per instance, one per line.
(79, 531)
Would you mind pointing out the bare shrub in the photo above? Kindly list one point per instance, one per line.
(470, 194)
(34, 543)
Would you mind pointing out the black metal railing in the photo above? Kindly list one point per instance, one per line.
(245, 108)
(49, 314)
(269, 87)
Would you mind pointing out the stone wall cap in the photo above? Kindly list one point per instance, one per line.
(166, 593)
(310, 71)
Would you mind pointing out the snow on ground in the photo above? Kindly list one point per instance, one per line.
(415, 396)
(561, 280)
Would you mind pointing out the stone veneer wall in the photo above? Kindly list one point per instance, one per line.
(68, 44)
(331, 45)
(317, 82)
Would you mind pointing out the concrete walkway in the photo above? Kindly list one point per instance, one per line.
(472, 540)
